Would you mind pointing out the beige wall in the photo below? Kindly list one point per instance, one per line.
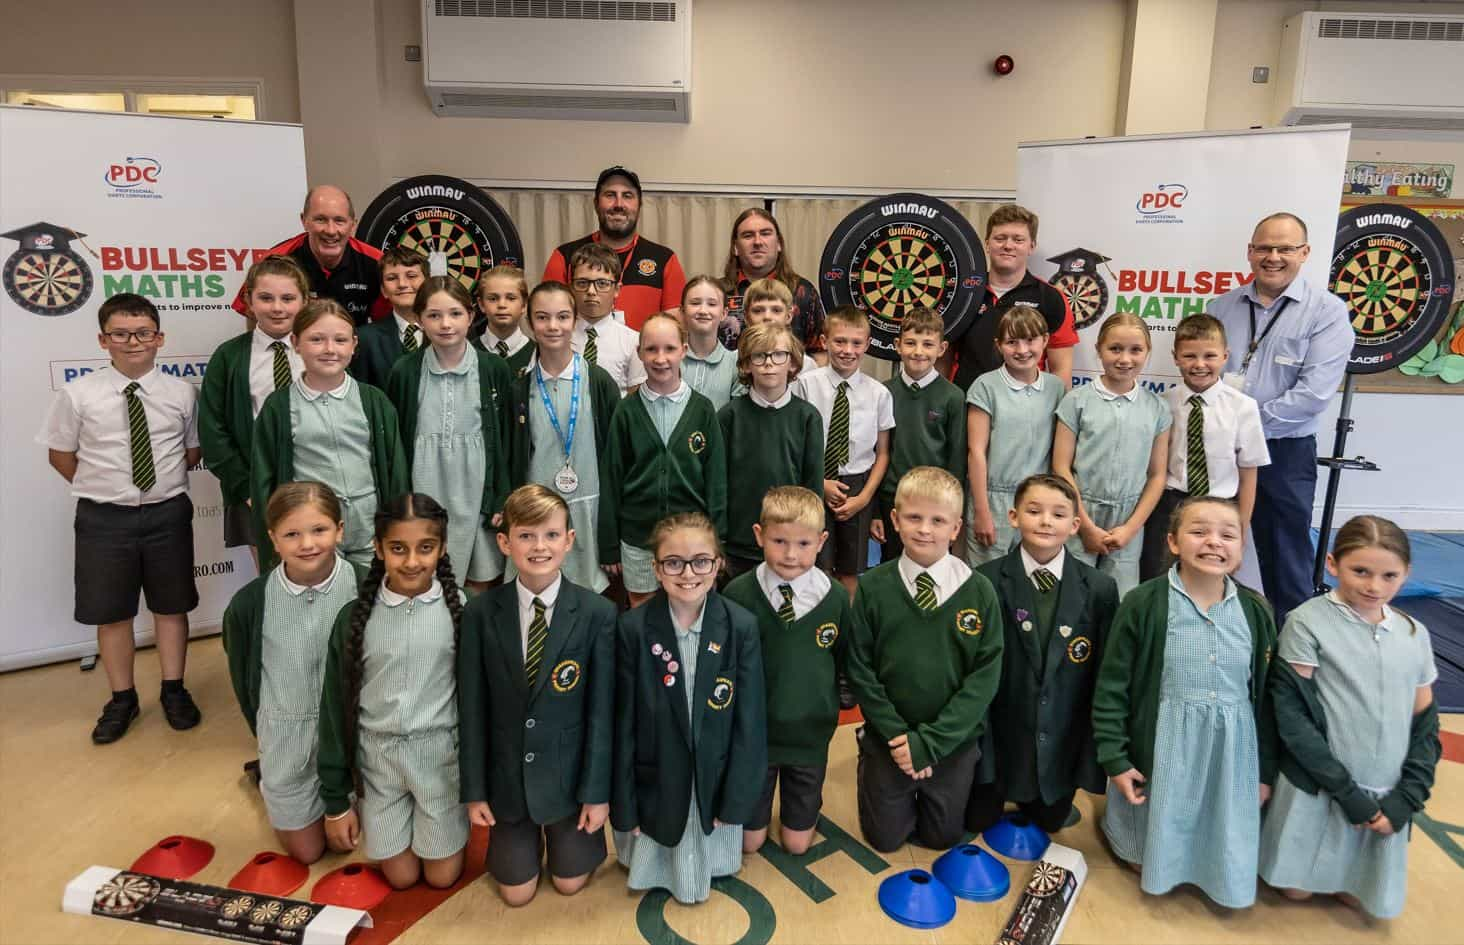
(158, 38)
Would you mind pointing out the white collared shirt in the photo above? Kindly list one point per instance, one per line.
(676, 396)
(88, 417)
(1131, 395)
(261, 366)
(310, 393)
(770, 404)
(295, 590)
(1234, 437)
(391, 598)
(565, 375)
(513, 342)
(949, 573)
(1036, 385)
(1031, 564)
(871, 411)
(809, 589)
(615, 350)
(549, 596)
(925, 381)
(402, 325)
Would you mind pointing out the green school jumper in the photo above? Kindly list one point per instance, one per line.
(646, 480)
(767, 447)
(931, 674)
(226, 417)
(801, 662)
(930, 430)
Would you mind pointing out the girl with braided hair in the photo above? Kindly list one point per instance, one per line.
(389, 715)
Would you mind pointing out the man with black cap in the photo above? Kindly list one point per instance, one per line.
(651, 278)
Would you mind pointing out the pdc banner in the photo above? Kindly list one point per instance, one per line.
(1157, 225)
(93, 204)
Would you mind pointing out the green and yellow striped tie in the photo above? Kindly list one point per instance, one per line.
(1044, 579)
(501, 349)
(836, 450)
(534, 653)
(144, 474)
(785, 611)
(925, 591)
(281, 365)
(1199, 471)
(592, 351)
(409, 339)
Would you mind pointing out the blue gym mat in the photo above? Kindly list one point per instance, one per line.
(1438, 565)
(1444, 617)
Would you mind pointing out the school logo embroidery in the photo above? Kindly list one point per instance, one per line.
(1079, 650)
(968, 622)
(646, 267)
(826, 634)
(697, 441)
(566, 676)
(721, 696)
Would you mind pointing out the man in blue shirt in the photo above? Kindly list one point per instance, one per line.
(1289, 344)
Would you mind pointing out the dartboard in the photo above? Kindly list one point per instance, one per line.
(1086, 294)
(125, 894)
(461, 230)
(48, 283)
(266, 912)
(239, 905)
(1392, 269)
(1046, 879)
(902, 252)
(296, 917)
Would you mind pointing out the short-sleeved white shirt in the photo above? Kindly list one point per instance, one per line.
(615, 350)
(1234, 437)
(871, 411)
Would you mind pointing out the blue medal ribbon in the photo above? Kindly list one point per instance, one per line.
(574, 401)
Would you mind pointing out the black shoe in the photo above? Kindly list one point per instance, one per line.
(179, 708)
(116, 716)
(846, 695)
(251, 770)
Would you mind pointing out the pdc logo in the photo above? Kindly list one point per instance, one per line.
(134, 177)
(1166, 198)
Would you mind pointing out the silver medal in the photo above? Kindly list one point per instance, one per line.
(566, 480)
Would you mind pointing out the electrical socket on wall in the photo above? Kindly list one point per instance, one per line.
(413, 53)
(1260, 75)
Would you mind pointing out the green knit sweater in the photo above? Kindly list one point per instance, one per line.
(929, 674)
(766, 447)
(226, 417)
(930, 430)
(801, 662)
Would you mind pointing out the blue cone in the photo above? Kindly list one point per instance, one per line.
(972, 873)
(917, 899)
(1016, 838)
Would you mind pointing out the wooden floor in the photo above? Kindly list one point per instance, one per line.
(68, 805)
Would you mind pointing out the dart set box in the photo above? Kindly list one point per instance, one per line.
(1048, 900)
(208, 910)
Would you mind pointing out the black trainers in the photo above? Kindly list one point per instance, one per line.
(179, 708)
(116, 717)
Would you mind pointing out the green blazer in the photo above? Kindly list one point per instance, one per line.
(1126, 700)
(273, 457)
(244, 641)
(378, 346)
(1039, 740)
(536, 754)
(494, 393)
(226, 417)
(663, 758)
(604, 398)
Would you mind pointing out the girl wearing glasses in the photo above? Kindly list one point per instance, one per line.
(664, 455)
(690, 727)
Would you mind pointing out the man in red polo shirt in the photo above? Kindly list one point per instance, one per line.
(339, 266)
(1011, 238)
(651, 279)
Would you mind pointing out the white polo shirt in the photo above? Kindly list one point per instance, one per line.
(615, 350)
(88, 417)
(871, 411)
(1234, 437)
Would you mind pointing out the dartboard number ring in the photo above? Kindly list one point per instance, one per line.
(1392, 269)
(47, 283)
(457, 226)
(1086, 295)
(902, 252)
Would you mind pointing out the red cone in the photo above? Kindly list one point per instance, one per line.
(272, 874)
(353, 886)
(175, 857)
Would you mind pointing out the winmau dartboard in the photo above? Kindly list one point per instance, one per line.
(902, 252)
(1392, 269)
(461, 230)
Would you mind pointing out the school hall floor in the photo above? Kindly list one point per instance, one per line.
(69, 805)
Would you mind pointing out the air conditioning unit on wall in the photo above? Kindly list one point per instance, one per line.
(590, 60)
(1385, 72)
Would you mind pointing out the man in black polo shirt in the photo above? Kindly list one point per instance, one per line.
(1011, 238)
(339, 266)
(651, 279)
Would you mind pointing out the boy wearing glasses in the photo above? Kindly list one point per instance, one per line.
(124, 436)
(772, 438)
(600, 335)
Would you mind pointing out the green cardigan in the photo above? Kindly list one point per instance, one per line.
(1126, 700)
(378, 346)
(495, 408)
(565, 724)
(646, 480)
(273, 457)
(604, 398)
(660, 766)
(226, 417)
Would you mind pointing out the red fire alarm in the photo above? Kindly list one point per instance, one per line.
(1003, 65)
